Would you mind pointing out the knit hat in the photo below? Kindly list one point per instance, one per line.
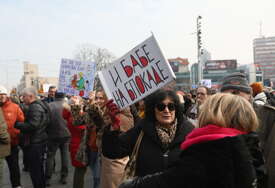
(3, 90)
(257, 88)
(236, 81)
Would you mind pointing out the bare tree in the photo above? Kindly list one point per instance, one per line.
(101, 56)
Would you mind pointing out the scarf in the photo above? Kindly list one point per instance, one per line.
(208, 133)
(166, 135)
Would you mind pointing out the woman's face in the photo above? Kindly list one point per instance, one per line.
(165, 112)
(100, 99)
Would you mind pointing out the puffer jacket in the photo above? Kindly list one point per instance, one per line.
(12, 113)
(36, 122)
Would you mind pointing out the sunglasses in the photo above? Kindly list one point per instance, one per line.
(161, 106)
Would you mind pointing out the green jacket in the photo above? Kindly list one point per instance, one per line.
(4, 137)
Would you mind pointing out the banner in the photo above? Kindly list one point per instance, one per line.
(137, 74)
(76, 77)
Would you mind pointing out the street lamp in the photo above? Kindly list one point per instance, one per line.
(200, 51)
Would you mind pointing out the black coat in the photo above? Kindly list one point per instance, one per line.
(35, 123)
(223, 163)
(152, 156)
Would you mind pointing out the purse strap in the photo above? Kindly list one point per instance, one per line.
(136, 147)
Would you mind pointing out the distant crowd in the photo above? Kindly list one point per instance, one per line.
(191, 139)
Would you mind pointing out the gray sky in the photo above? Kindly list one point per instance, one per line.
(43, 32)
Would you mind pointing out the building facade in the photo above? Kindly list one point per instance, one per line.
(31, 78)
(264, 56)
(180, 67)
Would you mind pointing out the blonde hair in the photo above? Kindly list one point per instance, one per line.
(227, 110)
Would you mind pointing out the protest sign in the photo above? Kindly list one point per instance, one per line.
(207, 83)
(137, 74)
(76, 77)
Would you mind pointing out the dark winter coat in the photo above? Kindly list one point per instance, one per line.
(152, 156)
(36, 122)
(58, 126)
(266, 131)
(223, 163)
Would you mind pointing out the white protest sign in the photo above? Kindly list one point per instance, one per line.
(46, 87)
(137, 74)
(76, 77)
(207, 83)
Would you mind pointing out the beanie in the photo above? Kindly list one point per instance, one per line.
(257, 88)
(3, 90)
(236, 81)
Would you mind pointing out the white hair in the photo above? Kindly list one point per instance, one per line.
(29, 91)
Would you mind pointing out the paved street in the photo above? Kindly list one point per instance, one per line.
(26, 181)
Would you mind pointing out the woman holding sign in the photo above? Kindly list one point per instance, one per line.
(159, 134)
(221, 153)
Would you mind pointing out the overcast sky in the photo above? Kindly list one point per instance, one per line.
(44, 31)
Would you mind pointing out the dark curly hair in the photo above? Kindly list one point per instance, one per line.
(159, 96)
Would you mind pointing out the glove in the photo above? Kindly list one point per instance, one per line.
(18, 125)
(113, 111)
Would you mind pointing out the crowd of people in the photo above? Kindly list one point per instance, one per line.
(198, 138)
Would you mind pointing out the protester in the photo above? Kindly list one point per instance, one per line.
(76, 135)
(258, 93)
(12, 113)
(34, 128)
(237, 84)
(59, 138)
(202, 94)
(98, 115)
(51, 94)
(164, 127)
(215, 155)
(4, 143)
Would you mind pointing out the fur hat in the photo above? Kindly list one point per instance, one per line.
(257, 88)
(3, 90)
(236, 81)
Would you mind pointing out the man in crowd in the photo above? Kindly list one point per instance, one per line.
(237, 84)
(35, 124)
(12, 113)
(202, 94)
(51, 94)
(59, 137)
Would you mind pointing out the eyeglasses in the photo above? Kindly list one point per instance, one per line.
(161, 106)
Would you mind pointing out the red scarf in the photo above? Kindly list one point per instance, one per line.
(208, 133)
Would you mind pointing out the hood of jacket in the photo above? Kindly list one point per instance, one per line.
(260, 98)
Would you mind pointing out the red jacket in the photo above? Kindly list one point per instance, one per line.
(12, 113)
(76, 134)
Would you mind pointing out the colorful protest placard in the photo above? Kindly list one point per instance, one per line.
(76, 77)
(137, 74)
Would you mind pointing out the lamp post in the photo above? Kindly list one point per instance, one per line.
(200, 76)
